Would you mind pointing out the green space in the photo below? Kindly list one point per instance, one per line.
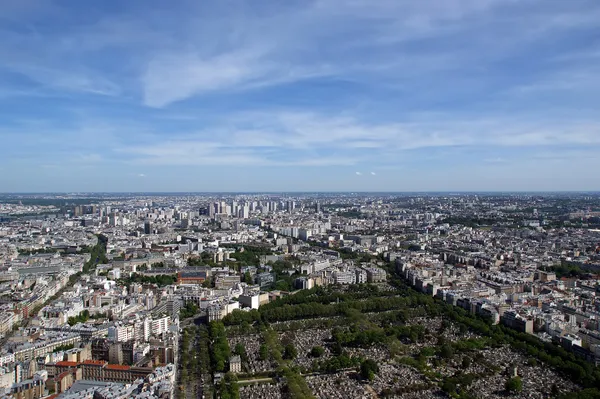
(189, 310)
(390, 312)
(161, 280)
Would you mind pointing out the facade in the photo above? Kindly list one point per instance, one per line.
(344, 277)
(375, 274)
(250, 301)
(224, 281)
(235, 364)
(121, 333)
(265, 279)
(191, 277)
(514, 320)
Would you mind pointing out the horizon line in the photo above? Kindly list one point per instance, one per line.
(305, 192)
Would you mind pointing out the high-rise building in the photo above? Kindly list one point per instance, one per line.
(318, 207)
(290, 205)
(245, 212)
(147, 227)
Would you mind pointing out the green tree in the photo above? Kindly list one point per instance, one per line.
(248, 278)
(317, 351)
(263, 352)
(368, 369)
(189, 310)
(290, 352)
(532, 362)
(514, 385)
(446, 352)
(449, 387)
(466, 362)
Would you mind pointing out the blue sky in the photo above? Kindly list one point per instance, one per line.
(357, 95)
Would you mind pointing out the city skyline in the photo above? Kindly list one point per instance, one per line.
(304, 96)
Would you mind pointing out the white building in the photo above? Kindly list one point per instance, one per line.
(160, 326)
(344, 277)
(121, 333)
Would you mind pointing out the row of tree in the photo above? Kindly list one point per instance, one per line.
(220, 351)
(161, 280)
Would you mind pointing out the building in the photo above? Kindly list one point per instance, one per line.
(65, 380)
(235, 364)
(28, 389)
(512, 319)
(99, 370)
(148, 227)
(213, 312)
(251, 301)
(115, 353)
(265, 279)
(304, 283)
(223, 281)
(344, 277)
(361, 276)
(375, 274)
(161, 325)
(191, 277)
(121, 333)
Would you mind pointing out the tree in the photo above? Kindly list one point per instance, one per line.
(263, 352)
(220, 348)
(368, 369)
(290, 352)
(81, 318)
(248, 278)
(466, 362)
(229, 388)
(514, 385)
(189, 310)
(239, 349)
(446, 352)
(532, 362)
(283, 285)
(449, 387)
(337, 349)
(317, 351)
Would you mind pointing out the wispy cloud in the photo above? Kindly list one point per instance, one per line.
(310, 139)
(181, 55)
(358, 173)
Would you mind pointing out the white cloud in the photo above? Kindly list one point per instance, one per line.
(173, 77)
(373, 173)
(358, 173)
(141, 175)
(197, 47)
(297, 138)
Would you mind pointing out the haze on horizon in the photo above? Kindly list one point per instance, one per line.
(321, 95)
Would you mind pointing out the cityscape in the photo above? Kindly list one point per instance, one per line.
(316, 199)
(304, 295)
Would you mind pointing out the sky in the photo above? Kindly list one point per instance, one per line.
(299, 95)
